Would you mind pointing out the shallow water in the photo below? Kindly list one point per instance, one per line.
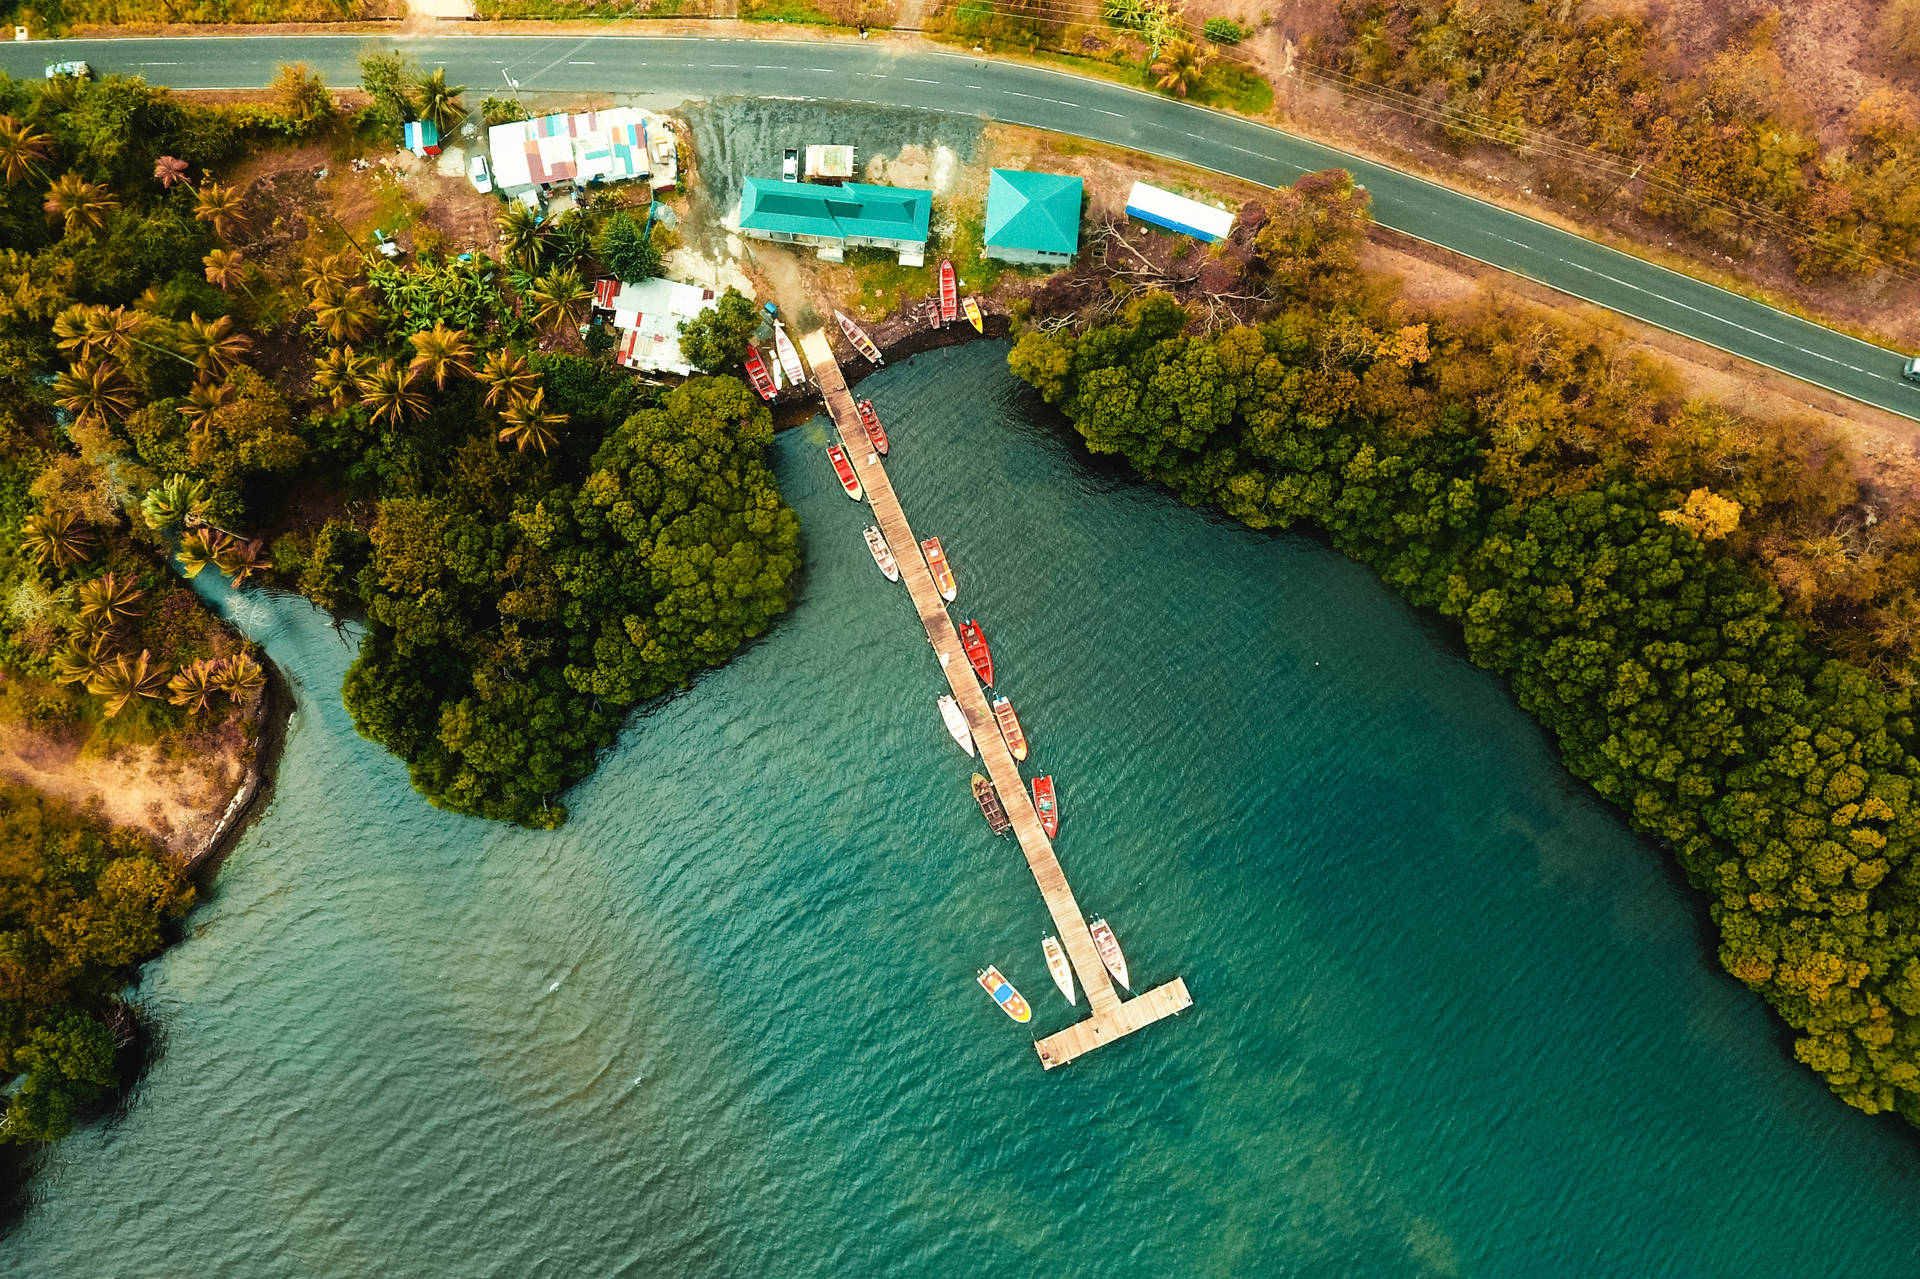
(1450, 1017)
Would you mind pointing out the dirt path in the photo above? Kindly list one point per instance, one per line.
(177, 803)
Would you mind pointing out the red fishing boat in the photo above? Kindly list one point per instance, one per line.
(757, 371)
(941, 570)
(949, 295)
(975, 646)
(844, 469)
(1044, 804)
(875, 432)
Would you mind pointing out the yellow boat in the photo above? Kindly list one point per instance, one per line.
(974, 317)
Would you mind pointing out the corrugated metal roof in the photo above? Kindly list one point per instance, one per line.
(1178, 213)
(856, 209)
(1039, 212)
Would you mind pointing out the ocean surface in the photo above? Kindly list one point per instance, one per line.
(1450, 1017)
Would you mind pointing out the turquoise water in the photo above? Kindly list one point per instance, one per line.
(1450, 1017)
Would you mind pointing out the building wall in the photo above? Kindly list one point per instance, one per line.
(1028, 257)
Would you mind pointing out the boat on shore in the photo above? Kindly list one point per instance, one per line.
(1010, 730)
(933, 313)
(990, 805)
(876, 433)
(1057, 965)
(956, 723)
(882, 553)
(858, 336)
(757, 373)
(789, 358)
(1010, 1001)
(941, 570)
(1045, 805)
(974, 643)
(974, 317)
(1109, 947)
(949, 295)
(844, 469)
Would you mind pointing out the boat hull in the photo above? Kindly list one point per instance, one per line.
(858, 336)
(1109, 947)
(1046, 805)
(1010, 731)
(973, 642)
(956, 721)
(844, 470)
(1011, 1002)
(949, 294)
(990, 805)
(1057, 965)
(870, 422)
(941, 570)
(974, 317)
(882, 554)
(789, 358)
(757, 373)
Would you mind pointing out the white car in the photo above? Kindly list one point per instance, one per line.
(78, 70)
(478, 175)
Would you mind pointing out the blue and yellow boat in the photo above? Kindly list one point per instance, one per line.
(1010, 1001)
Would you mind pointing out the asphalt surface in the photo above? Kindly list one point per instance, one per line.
(878, 72)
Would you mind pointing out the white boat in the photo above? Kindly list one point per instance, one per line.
(882, 554)
(1058, 966)
(789, 358)
(956, 722)
(1109, 947)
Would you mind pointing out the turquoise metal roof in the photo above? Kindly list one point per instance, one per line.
(1039, 212)
(801, 208)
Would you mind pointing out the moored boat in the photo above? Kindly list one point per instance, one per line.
(941, 570)
(956, 723)
(757, 372)
(1010, 1001)
(882, 553)
(1057, 965)
(844, 469)
(789, 358)
(990, 805)
(973, 642)
(1010, 730)
(876, 433)
(933, 313)
(1045, 805)
(1109, 947)
(949, 295)
(858, 336)
(974, 317)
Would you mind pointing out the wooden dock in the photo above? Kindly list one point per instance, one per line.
(1112, 1016)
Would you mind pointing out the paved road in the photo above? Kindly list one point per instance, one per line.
(954, 82)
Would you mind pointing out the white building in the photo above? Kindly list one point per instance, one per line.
(648, 317)
(1178, 213)
(593, 146)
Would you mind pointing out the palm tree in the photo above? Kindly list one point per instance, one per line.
(168, 172)
(240, 560)
(197, 549)
(1180, 65)
(555, 295)
(21, 150)
(196, 685)
(337, 375)
(127, 678)
(203, 401)
(83, 204)
(81, 662)
(388, 391)
(441, 350)
(526, 421)
(345, 317)
(212, 344)
(56, 538)
(94, 391)
(521, 235)
(440, 101)
(240, 675)
(108, 600)
(506, 376)
(330, 275)
(170, 503)
(220, 205)
(225, 268)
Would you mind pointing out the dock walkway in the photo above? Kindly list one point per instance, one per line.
(1112, 1016)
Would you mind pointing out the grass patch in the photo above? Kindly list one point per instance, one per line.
(796, 11)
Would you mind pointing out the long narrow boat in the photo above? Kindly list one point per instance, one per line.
(949, 295)
(875, 432)
(1010, 730)
(990, 805)
(1057, 965)
(757, 371)
(957, 723)
(882, 553)
(974, 317)
(974, 643)
(1004, 994)
(1109, 947)
(858, 336)
(1045, 805)
(789, 358)
(933, 313)
(941, 570)
(844, 469)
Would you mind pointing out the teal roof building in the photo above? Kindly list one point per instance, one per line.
(832, 218)
(1033, 217)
